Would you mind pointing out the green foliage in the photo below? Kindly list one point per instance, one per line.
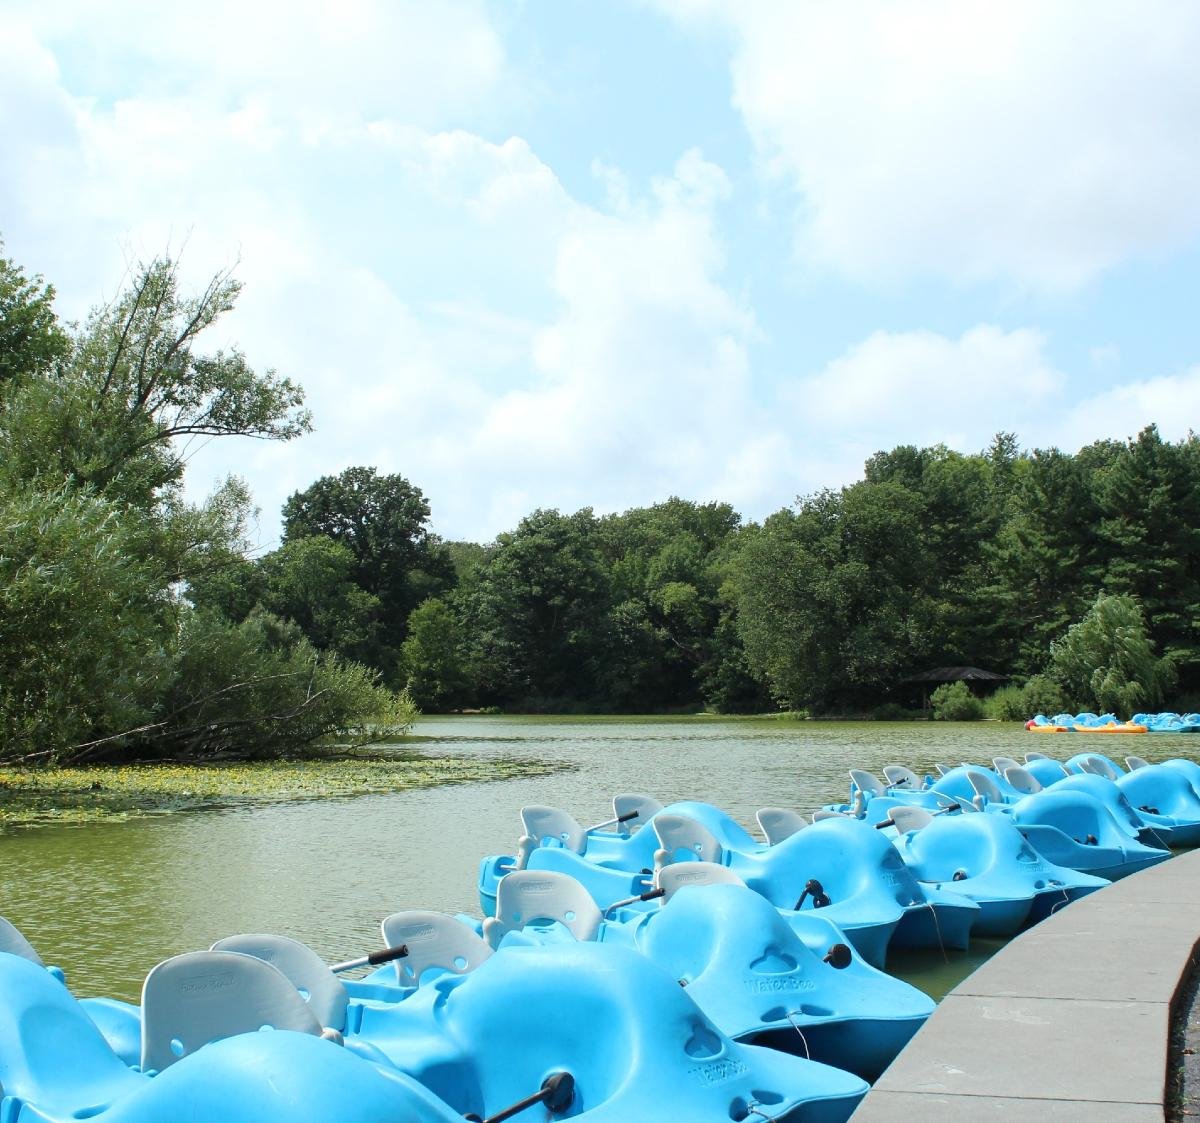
(432, 657)
(259, 689)
(1042, 695)
(953, 701)
(31, 340)
(98, 656)
(1008, 704)
(893, 711)
(85, 624)
(382, 521)
(1107, 660)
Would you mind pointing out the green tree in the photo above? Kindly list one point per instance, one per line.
(432, 657)
(31, 340)
(101, 655)
(383, 522)
(953, 701)
(1107, 659)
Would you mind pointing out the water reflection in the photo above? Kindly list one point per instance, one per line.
(108, 902)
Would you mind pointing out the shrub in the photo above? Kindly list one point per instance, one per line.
(1042, 695)
(953, 701)
(1007, 704)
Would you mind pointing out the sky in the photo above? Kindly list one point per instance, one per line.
(557, 253)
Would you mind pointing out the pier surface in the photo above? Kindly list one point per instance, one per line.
(1069, 1021)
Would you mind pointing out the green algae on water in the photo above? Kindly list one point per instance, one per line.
(29, 797)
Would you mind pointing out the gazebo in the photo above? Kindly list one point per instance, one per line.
(976, 678)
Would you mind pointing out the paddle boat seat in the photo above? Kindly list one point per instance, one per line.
(670, 879)
(1036, 756)
(900, 776)
(435, 941)
(643, 808)
(906, 819)
(524, 897)
(778, 823)
(1000, 763)
(1136, 762)
(1022, 780)
(308, 973)
(827, 813)
(1096, 764)
(199, 997)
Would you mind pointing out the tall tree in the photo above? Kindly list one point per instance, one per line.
(383, 522)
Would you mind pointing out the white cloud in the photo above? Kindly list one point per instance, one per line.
(1172, 402)
(974, 139)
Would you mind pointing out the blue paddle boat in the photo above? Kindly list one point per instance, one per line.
(745, 965)
(988, 860)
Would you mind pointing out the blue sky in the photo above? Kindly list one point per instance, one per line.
(559, 254)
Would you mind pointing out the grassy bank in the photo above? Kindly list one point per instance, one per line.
(98, 794)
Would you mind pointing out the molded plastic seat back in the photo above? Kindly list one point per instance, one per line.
(302, 967)
(433, 940)
(646, 807)
(1136, 762)
(1002, 763)
(51, 1053)
(778, 823)
(525, 896)
(675, 877)
(1036, 756)
(680, 833)
(14, 943)
(825, 813)
(867, 782)
(910, 818)
(553, 826)
(985, 785)
(899, 776)
(1095, 764)
(1022, 779)
(202, 996)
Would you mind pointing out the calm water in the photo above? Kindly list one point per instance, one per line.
(108, 902)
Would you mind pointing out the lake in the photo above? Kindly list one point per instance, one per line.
(106, 902)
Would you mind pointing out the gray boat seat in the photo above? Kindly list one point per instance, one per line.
(1099, 767)
(1023, 780)
(778, 823)
(672, 878)
(434, 940)
(900, 776)
(867, 782)
(825, 813)
(1000, 763)
(910, 818)
(525, 896)
(324, 992)
(942, 769)
(646, 807)
(985, 787)
(14, 943)
(1136, 762)
(202, 996)
(554, 827)
(678, 832)
(1036, 756)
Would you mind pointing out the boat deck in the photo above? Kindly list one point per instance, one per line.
(1070, 1021)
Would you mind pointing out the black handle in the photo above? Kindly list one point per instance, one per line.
(627, 816)
(884, 823)
(557, 1092)
(387, 955)
(652, 894)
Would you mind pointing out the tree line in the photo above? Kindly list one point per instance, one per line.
(1075, 575)
(134, 622)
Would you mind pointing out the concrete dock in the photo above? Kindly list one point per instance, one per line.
(1069, 1021)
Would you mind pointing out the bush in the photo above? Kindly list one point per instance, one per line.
(1007, 704)
(953, 701)
(1042, 695)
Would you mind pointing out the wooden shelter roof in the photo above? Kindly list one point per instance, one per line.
(956, 674)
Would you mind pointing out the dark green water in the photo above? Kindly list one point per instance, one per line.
(108, 902)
